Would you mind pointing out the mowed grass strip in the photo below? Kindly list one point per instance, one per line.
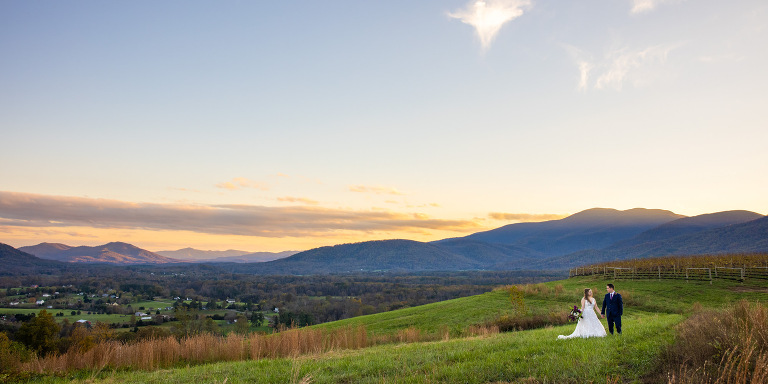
(500, 358)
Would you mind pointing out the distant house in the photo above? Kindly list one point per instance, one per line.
(84, 322)
(46, 295)
(230, 301)
(40, 302)
(114, 304)
(34, 286)
(177, 298)
(14, 303)
(276, 310)
(140, 314)
(146, 318)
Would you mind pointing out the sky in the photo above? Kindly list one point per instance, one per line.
(271, 126)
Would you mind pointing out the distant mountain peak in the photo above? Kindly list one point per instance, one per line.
(634, 214)
(115, 252)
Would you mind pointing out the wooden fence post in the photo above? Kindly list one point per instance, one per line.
(710, 275)
(659, 272)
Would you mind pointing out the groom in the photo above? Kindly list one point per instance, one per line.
(615, 306)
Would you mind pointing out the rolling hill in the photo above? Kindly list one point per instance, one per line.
(590, 229)
(382, 255)
(228, 256)
(586, 237)
(197, 254)
(748, 237)
(654, 309)
(111, 253)
(15, 262)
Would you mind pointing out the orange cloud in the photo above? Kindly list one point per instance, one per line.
(376, 190)
(240, 183)
(33, 210)
(303, 200)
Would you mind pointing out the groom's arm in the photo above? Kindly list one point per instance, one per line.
(621, 306)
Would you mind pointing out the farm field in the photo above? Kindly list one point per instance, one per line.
(653, 309)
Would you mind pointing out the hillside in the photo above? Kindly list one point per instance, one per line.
(590, 229)
(652, 311)
(15, 262)
(689, 225)
(110, 253)
(384, 255)
(586, 237)
(749, 237)
(228, 256)
(193, 254)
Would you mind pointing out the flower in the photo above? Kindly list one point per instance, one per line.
(575, 314)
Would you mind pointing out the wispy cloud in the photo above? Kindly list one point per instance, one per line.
(489, 16)
(240, 183)
(524, 217)
(33, 210)
(618, 66)
(303, 200)
(376, 190)
(641, 6)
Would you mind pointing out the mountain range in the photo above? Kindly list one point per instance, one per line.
(112, 253)
(591, 236)
(228, 256)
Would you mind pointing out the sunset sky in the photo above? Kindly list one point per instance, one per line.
(270, 126)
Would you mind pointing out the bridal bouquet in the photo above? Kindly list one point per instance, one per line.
(575, 314)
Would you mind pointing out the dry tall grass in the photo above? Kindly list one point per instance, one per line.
(721, 347)
(165, 352)
(204, 348)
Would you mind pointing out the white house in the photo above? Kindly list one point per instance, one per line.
(40, 302)
(230, 301)
(15, 303)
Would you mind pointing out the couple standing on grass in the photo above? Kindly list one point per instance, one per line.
(589, 325)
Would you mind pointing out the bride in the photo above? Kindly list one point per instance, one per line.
(589, 325)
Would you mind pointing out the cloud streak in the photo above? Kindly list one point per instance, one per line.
(33, 210)
(642, 6)
(303, 200)
(375, 190)
(487, 17)
(618, 66)
(240, 183)
(524, 217)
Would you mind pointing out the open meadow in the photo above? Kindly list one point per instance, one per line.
(459, 341)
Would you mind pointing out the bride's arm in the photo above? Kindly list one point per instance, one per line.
(594, 306)
(582, 304)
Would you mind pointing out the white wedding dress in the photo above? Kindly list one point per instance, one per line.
(589, 325)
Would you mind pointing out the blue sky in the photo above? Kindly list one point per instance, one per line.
(392, 114)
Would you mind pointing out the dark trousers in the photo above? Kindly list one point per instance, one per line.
(614, 319)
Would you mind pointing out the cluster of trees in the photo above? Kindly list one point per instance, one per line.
(323, 297)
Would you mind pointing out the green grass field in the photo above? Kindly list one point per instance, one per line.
(652, 309)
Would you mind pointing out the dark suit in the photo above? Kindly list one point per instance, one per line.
(614, 309)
